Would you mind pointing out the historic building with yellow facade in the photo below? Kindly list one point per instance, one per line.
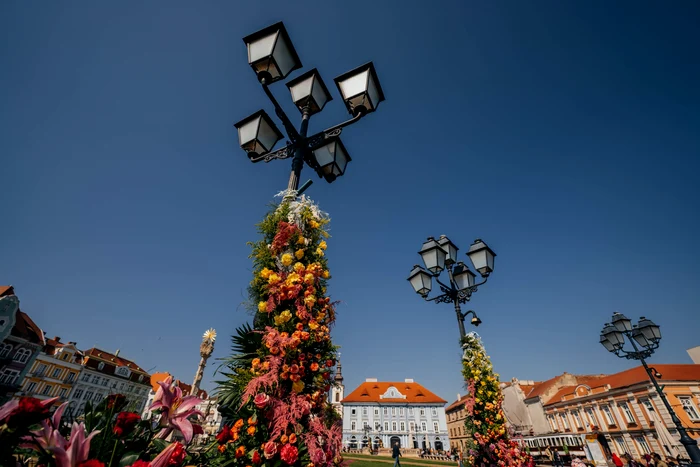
(54, 371)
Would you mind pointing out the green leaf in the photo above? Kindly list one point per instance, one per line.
(159, 444)
(129, 459)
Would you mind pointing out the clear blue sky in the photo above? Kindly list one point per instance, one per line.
(565, 134)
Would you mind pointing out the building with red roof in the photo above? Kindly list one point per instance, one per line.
(383, 413)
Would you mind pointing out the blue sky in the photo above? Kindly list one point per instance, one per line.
(565, 134)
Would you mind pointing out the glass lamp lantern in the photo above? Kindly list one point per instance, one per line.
(462, 276)
(420, 280)
(433, 256)
(360, 89)
(621, 322)
(650, 330)
(639, 337)
(607, 344)
(482, 257)
(615, 337)
(332, 159)
(258, 134)
(450, 248)
(271, 53)
(309, 89)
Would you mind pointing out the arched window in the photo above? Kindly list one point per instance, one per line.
(5, 350)
(22, 355)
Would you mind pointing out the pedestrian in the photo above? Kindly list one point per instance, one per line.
(548, 452)
(576, 462)
(396, 453)
(658, 462)
(557, 459)
(616, 460)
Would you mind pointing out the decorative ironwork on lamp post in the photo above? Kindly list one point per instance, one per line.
(272, 57)
(644, 338)
(441, 255)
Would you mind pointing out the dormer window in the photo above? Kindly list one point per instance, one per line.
(100, 366)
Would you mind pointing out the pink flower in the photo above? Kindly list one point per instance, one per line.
(176, 410)
(48, 436)
(261, 400)
(289, 454)
(270, 449)
(75, 452)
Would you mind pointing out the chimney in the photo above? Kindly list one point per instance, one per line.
(116, 354)
(57, 339)
(459, 397)
(72, 343)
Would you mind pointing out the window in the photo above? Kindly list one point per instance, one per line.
(105, 382)
(22, 355)
(40, 370)
(423, 426)
(63, 392)
(436, 427)
(78, 394)
(689, 407)
(422, 412)
(621, 445)
(402, 426)
(552, 422)
(608, 415)
(9, 376)
(88, 395)
(352, 411)
(565, 421)
(86, 377)
(31, 387)
(434, 411)
(591, 416)
(5, 350)
(386, 411)
(386, 426)
(411, 426)
(100, 366)
(56, 373)
(393, 426)
(401, 411)
(365, 424)
(47, 390)
(376, 411)
(577, 419)
(626, 412)
(64, 357)
(643, 444)
(337, 397)
(364, 410)
(71, 377)
(95, 380)
(410, 410)
(353, 425)
(393, 411)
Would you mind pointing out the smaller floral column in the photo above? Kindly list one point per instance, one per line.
(205, 351)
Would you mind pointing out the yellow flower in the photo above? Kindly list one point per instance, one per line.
(323, 245)
(287, 259)
(326, 274)
(298, 386)
(262, 307)
(298, 267)
(301, 240)
(265, 273)
(283, 317)
(314, 225)
(309, 278)
(310, 300)
(273, 279)
(313, 325)
(293, 278)
(299, 254)
(319, 252)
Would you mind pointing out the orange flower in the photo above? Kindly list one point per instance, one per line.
(292, 438)
(222, 448)
(239, 423)
(251, 430)
(252, 421)
(235, 436)
(300, 327)
(284, 375)
(240, 451)
(295, 377)
(284, 439)
(314, 366)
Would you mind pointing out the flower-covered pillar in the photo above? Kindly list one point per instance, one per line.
(277, 381)
(485, 422)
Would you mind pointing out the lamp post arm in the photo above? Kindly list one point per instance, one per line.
(448, 287)
(345, 123)
(289, 128)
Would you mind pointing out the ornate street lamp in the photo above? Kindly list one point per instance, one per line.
(272, 57)
(439, 255)
(644, 338)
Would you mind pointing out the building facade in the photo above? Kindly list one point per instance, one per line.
(210, 421)
(54, 372)
(103, 374)
(21, 341)
(379, 414)
(626, 410)
(456, 415)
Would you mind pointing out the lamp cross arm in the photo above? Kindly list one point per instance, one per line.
(288, 126)
(319, 138)
(282, 153)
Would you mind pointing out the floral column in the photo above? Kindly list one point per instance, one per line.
(205, 350)
(485, 420)
(276, 386)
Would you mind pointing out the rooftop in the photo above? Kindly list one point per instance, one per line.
(407, 392)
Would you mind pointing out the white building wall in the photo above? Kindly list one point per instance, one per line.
(94, 386)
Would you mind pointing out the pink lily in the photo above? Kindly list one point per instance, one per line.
(48, 436)
(175, 408)
(77, 451)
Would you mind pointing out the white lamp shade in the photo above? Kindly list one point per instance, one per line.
(482, 257)
(607, 344)
(360, 89)
(332, 159)
(309, 89)
(462, 276)
(257, 134)
(420, 280)
(450, 248)
(271, 53)
(433, 256)
(638, 335)
(650, 330)
(615, 337)
(621, 322)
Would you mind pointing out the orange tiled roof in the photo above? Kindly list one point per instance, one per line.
(6, 290)
(632, 376)
(95, 352)
(186, 388)
(455, 405)
(414, 392)
(27, 329)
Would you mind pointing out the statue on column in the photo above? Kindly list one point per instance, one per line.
(205, 351)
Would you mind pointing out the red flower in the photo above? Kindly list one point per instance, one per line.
(289, 454)
(126, 421)
(28, 411)
(270, 449)
(329, 363)
(178, 455)
(116, 401)
(261, 400)
(140, 463)
(91, 463)
(256, 458)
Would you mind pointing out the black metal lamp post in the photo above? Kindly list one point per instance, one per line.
(645, 337)
(441, 254)
(272, 57)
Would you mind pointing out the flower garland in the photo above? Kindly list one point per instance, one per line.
(485, 420)
(283, 416)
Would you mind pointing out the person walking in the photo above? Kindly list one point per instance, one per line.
(658, 462)
(557, 459)
(548, 452)
(396, 453)
(616, 460)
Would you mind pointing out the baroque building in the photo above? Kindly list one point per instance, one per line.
(456, 415)
(384, 413)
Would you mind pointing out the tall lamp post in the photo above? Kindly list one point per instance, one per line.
(273, 57)
(441, 255)
(644, 338)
